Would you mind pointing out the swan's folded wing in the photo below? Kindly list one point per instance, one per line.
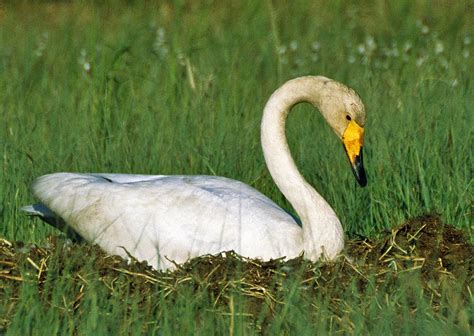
(176, 217)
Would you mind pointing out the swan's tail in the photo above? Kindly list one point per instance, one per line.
(48, 216)
(39, 210)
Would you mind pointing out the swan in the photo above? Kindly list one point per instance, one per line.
(166, 220)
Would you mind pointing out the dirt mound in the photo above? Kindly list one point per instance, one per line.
(424, 246)
(423, 243)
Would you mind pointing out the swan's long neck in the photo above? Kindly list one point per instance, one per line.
(322, 230)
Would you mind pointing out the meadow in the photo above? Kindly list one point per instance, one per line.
(178, 87)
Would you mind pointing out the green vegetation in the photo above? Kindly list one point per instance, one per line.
(178, 88)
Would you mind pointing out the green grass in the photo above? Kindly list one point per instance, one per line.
(179, 88)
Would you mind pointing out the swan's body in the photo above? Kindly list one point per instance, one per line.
(166, 219)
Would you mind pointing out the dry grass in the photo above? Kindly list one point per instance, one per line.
(437, 253)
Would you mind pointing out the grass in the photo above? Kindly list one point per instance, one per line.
(420, 271)
(179, 88)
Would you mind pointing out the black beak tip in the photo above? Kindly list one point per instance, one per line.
(361, 178)
(359, 171)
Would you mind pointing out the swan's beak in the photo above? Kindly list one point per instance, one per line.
(353, 140)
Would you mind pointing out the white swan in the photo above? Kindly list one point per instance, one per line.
(174, 218)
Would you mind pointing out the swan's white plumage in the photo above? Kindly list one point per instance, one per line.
(166, 219)
(163, 218)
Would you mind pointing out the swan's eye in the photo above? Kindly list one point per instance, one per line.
(348, 117)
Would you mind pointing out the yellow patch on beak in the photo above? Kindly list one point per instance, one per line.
(353, 139)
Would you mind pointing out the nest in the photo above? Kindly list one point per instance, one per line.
(437, 253)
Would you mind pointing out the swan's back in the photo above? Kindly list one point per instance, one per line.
(162, 218)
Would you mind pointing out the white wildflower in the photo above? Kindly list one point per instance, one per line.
(316, 46)
(394, 51)
(361, 49)
(439, 47)
(82, 57)
(407, 46)
(159, 44)
(299, 62)
(41, 46)
(281, 49)
(420, 60)
(294, 45)
(83, 62)
(370, 43)
(181, 58)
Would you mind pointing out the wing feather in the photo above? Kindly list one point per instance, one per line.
(157, 218)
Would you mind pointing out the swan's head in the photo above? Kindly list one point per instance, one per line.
(344, 111)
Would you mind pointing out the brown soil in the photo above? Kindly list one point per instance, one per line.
(435, 252)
